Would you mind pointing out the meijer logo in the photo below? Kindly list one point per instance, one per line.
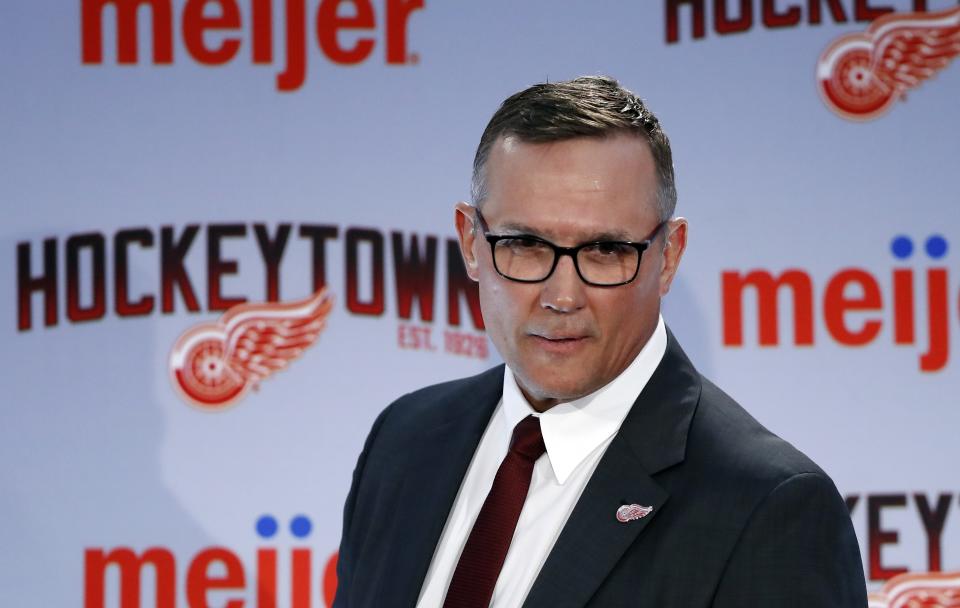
(212, 32)
(850, 291)
(214, 576)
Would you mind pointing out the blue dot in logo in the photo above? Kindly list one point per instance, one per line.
(266, 526)
(902, 247)
(300, 526)
(936, 246)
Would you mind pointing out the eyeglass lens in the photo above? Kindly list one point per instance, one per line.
(527, 259)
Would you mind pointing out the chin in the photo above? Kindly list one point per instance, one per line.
(556, 388)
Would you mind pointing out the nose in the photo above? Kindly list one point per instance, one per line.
(563, 291)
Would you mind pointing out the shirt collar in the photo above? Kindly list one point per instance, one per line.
(571, 431)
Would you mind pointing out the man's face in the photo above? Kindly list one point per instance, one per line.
(563, 338)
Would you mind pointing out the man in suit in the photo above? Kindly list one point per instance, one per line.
(597, 468)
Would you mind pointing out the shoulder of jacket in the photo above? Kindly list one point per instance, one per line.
(733, 445)
(437, 403)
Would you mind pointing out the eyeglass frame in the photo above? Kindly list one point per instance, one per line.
(559, 251)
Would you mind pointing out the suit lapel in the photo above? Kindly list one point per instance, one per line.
(652, 438)
(593, 540)
(430, 482)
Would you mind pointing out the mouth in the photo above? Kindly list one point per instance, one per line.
(559, 344)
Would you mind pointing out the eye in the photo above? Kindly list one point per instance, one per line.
(521, 245)
(608, 249)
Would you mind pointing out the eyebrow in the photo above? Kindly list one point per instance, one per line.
(518, 229)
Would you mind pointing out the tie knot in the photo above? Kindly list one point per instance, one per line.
(527, 439)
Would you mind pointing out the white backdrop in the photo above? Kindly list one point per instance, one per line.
(105, 460)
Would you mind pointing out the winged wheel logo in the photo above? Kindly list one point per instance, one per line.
(631, 512)
(861, 75)
(919, 590)
(213, 365)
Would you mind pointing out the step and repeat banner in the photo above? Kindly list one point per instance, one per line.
(228, 245)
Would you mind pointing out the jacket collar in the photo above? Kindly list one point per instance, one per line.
(653, 437)
(656, 428)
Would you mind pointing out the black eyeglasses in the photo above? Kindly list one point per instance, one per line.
(530, 259)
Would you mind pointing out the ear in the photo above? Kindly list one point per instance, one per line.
(467, 231)
(676, 243)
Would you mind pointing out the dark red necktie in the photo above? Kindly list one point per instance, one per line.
(482, 558)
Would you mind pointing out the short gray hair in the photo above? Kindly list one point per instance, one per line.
(589, 106)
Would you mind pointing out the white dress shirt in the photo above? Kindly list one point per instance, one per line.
(576, 435)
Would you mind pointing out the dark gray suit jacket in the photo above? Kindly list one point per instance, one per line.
(740, 517)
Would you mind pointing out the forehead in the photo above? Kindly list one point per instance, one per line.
(576, 188)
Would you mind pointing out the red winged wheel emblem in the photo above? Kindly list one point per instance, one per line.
(921, 590)
(860, 76)
(213, 365)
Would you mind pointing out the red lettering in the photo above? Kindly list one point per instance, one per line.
(465, 345)
(772, 18)
(329, 24)
(121, 273)
(196, 23)
(262, 18)
(272, 252)
(398, 15)
(202, 18)
(375, 305)
(775, 14)
(173, 274)
(767, 288)
(330, 579)
(459, 283)
(200, 581)
(300, 578)
(318, 236)
(879, 537)
(130, 565)
(933, 522)
(292, 78)
(836, 304)
(698, 25)
(413, 337)
(938, 334)
(267, 578)
(94, 242)
(91, 25)
(45, 283)
(217, 267)
(415, 274)
(903, 317)
(724, 24)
